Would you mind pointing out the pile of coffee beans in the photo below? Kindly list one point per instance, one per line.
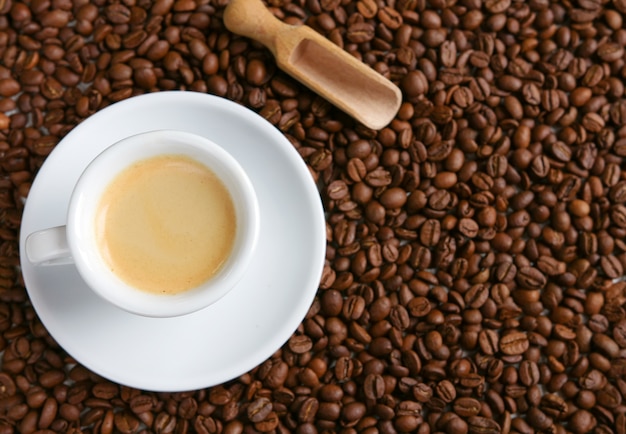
(476, 246)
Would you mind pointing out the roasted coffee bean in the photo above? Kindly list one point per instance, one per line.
(374, 386)
(581, 421)
(141, 403)
(514, 343)
(530, 277)
(466, 407)
(478, 424)
(430, 232)
(360, 32)
(300, 344)
(419, 307)
(259, 409)
(488, 341)
(619, 333)
(609, 397)
(308, 410)
(367, 8)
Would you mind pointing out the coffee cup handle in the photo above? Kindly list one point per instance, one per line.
(48, 247)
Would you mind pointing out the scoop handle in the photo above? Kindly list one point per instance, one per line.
(252, 19)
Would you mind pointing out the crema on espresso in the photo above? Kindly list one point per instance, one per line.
(166, 224)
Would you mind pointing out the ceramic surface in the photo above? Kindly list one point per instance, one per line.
(247, 325)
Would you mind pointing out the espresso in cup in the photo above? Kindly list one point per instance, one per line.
(161, 224)
(166, 224)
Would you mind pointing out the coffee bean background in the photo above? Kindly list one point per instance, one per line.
(476, 245)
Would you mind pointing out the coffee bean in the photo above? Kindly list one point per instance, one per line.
(448, 57)
(430, 232)
(419, 307)
(611, 266)
(581, 421)
(479, 424)
(619, 333)
(308, 410)
(300, 344)
(259, 409)
(399, 317)
(446, 391)
(51, 378)
(393, 198)
(374, 386)
(609, 397)
(360, 32)
(529, 373)
(488, 341)
(551, 266)
(530, 277)
(9, 87)
(414, 84)
(367, 8)
(514, 343)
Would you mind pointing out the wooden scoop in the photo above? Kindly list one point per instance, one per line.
(310, 58)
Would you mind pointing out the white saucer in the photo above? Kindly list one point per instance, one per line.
(226, 339)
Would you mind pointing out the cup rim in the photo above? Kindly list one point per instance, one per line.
(90, 186)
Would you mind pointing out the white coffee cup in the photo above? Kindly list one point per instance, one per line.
(77, 241)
